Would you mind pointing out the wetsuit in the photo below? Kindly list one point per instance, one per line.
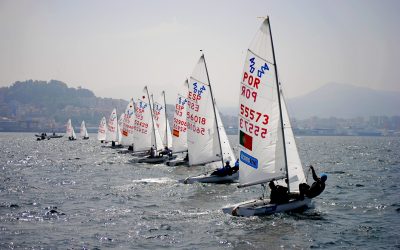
(316, 188)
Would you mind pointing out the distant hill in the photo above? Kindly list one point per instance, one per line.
(345, 101)
(52, 103)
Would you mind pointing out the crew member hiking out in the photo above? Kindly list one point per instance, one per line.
(316, 188)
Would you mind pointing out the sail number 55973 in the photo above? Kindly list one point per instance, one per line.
(253, 115)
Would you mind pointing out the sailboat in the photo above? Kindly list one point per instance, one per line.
(161, 120)
(207, 140)
(70, 131)
(156, 139)
(112, 128)
(101, 133)
(142, 139)
(128, 127)
(179, 127)
(83, 132)
(267, 147)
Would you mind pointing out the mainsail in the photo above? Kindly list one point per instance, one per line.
(161, 121)
(262, 149)
(112, 127)
(128, 125)
(201, 125)
(83, 130)
(143, 123)
(101, 133)
(70, 130)
(179, 128)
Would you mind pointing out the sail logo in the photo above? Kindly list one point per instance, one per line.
(142, 105)
(261, 70)
(182, 100)
(157, 107)
(198, 91)
(252, 63)
(129, 113)
(249, 160)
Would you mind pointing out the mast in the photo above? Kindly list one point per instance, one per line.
(280, 105)
(166, 127)
(152, 118)
(215, 116)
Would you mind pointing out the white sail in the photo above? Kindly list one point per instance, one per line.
(156, 140)
(227, 152)
(73, 133)
(179, 126)
(128, 125)
(295, 169)
(259, 117)
(202, 129)
(83, 130)
(112, 127)
(101, 133)
(143, 124)
(169, 136)
(119, 128)
(70, 129)
(160, 118)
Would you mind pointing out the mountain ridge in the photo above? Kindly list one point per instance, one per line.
(345, 101)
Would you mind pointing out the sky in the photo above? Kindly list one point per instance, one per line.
(115, 48)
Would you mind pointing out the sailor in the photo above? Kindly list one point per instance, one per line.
(152, 152)
(225, 170)
(279, 194)
(166, 151)
(235, 167)
(316, 188)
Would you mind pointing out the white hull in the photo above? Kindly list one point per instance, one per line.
(263, 207)
(207, 178)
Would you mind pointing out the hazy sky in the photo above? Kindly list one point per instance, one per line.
(116, 47)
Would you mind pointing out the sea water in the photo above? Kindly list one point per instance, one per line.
(79, 194)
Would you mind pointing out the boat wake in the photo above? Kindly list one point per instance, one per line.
(154, 180)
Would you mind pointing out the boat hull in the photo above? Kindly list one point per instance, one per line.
(177, 162)
(207, 178)
(262, 207)
(155, 160)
